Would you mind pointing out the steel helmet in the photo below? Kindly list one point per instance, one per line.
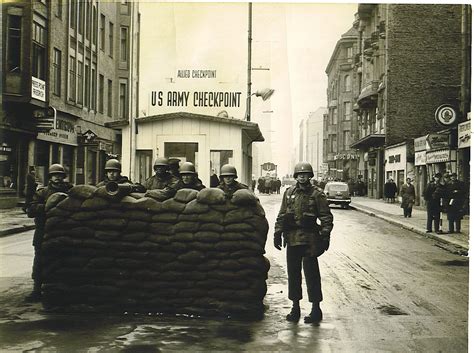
(227, 170)
(113, 164)
(303, 167)
(161, 162)
(56, 169)
(187, 168)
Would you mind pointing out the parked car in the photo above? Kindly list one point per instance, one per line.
(337, 193)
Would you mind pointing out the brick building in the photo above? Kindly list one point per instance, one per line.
(409, 63)
(340, 126)
(72, 60)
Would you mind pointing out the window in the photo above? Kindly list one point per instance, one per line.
(347, 136)
(349, 52)
(59, 8)
(73, 14)
(39, 50)
(72, 78)
(111, 39)
(81, 17)
(87, 84)
(101, 93)
(14, 44)
(102, 32)
(347, 83)
(124, 7)
(80, 83)
(123, 44)
(123, 100)
(94, 25)
(109, 97)
(333, 143)
(94, 87)
(347, 110)
(88, 20)
(57, 72)
(334, 116)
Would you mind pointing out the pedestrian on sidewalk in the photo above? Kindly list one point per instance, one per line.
(56, 183)
(30, 187)
(390, 190)
(434, 192)
(456, 193)
(407, 193)
(296, 226)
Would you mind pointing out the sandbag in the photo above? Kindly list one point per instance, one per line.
(174, 206)
(95, 204)
(194, 207)
(185, 195)
(244, 197)
(82, 191)
(211, 196)
(54, 199)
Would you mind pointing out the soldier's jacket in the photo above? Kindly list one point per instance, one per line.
(229, 190)
(298, 201)
(36, 207)
(195, 185)
(123, 180)
(167, 183)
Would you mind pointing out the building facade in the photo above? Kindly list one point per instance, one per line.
(404, 78)
(73, 62)
(340, 127)
(310, 147)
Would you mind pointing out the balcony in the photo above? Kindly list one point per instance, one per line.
(333, 103)
(372, 140)
(368, 95)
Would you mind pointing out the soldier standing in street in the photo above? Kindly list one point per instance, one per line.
(228, 183)
(296, 223)
(456, 193)
(433, 194)
(36, 209)
(189, 177)
(163, 180)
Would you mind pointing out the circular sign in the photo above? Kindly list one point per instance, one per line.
(446, 115)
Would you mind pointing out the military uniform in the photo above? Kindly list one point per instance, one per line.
(456, 192)
(36, 209)
(195, 185)
(230, 189)
(166, 182)
(305, 239)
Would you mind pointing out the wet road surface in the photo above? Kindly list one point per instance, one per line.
(385, 289)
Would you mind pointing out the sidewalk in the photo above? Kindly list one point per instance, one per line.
(14, 220)
(392, 213)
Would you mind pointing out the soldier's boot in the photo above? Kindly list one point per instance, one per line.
(35, 295)
(315, 316)
(295, 313)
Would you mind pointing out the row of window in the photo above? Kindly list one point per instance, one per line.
(331, 142)
(347, 113)
(83, 89)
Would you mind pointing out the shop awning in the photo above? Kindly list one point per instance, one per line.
(373, 140)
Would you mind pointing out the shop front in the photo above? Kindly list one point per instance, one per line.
(398, 165)
(440, 156)
(421, 175)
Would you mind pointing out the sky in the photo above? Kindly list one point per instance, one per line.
(291, 47)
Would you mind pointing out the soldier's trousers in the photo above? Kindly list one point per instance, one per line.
(36, 275)
(295, 257)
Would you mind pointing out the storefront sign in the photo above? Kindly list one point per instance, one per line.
(438, 156)
(420, 158)
(394, 159)
(63, 134)
(464, 134)
(446, 115)
(38, 89)
(345, 156)
(420, 143)
(437, 141)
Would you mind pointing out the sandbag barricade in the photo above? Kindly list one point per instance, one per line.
(196, 253)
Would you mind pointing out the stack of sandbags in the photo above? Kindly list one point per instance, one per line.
(196, 253)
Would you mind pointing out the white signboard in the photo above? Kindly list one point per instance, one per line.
(420, 158)
(438, 156)
(324, 168)
(464, 134)
(38, 89)
(59, 136)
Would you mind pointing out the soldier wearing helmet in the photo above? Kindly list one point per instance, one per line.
(296, 223)
(228, 182)
(163, 180)
(189, 177)
(113, 172)
(174, 166)
(36, 209)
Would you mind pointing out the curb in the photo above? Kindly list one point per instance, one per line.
(462, 248)
(15, 230)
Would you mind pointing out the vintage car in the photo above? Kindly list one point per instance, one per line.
(337, 192)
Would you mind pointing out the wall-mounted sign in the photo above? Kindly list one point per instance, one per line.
(268, 166)
(38, 89)
(464, 134)
(420, 158)
(446, 115)
(440, 156)
(437, 141)
(346, 156)
(63, 134)
(394, 159)
(420, 143)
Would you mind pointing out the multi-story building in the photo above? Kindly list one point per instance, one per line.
(310, 147)
(403, 78)
(340, 126)
(72, 60)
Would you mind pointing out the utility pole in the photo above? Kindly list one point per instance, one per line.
(249, 67)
